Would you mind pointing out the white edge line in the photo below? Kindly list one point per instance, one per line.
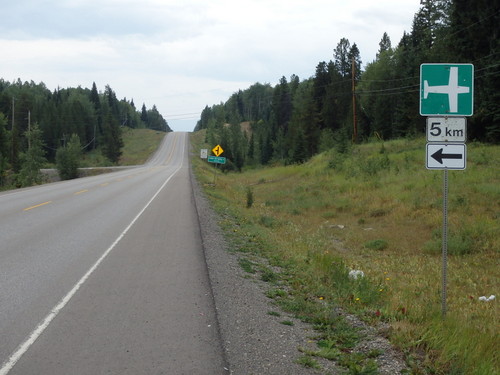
(23, 348)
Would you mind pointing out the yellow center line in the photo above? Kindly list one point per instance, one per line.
(80, 192)
(38, 205)
(105, 184)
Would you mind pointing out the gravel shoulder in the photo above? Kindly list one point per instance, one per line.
(254, 341)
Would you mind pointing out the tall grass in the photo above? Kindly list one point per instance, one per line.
(334, 213)
(139, 145)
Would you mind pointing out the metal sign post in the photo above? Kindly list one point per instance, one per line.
(447, 91)
(217, 159)
(445, 242)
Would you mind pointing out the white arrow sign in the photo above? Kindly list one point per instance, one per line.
(446, 156)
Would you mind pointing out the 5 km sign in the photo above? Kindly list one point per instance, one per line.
(446, 129)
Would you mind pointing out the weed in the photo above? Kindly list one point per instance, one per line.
(307, 361)
(246, 265)
(379, 212)
(273, 313)
(458, 243)
(357, 366)
(276, 293)
(268, 221)
(249, 197)
(329, 215)
(374, 353)
(377, 244)
(268, 275)
(287, 323)
(325, 351)
(271, 203)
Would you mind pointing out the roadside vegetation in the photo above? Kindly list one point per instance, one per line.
(138, 146)
(37, 127)
(373, 208)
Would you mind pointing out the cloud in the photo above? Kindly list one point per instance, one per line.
(184, 55)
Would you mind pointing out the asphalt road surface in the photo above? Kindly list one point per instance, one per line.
(106, 275)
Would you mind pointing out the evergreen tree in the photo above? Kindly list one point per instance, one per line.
(265, 143)
(33, 159)
(384, 45)
(305, 128)
(112, 141)
(474, 38)
(3, 148)
(68, 158)
(94, 98)
(321, 83)
(144, 115)
(251, 149)
(282, 112)
(342, 58)
(375, 93)
(14, 149)
(156, 121)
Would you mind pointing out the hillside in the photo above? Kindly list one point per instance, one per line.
(375, 208)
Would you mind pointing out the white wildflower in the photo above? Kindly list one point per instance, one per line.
(487, 299)
(356, 274)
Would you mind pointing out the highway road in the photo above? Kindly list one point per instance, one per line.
(106, 275)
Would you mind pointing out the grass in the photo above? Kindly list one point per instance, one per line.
(246, 265)
(377, 209)
(139, 145)
(309, 362)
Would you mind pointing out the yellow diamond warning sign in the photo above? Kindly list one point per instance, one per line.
(217, 150)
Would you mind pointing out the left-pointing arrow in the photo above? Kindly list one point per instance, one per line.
(439, 156)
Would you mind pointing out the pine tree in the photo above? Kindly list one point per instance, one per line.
(144, 115)
(112, 141)
(68, 158)
(3, 148)
(475, 39)
(33, 159)
(96, 101)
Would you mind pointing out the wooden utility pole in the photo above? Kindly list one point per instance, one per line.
(355, 125)
(29, 129)
(12, 131)
(13, 113)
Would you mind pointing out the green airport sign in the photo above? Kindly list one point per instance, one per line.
(446, 89)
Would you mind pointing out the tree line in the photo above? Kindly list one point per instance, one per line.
(342, 103)
(39, 125)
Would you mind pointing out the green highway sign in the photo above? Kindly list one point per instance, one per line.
(446, 89)
(217, 159)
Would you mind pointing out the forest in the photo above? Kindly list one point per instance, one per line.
(39, 126)
(344, 104)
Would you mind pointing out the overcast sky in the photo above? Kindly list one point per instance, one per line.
(185, 54)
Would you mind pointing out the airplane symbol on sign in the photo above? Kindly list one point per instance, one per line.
(452, 89)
